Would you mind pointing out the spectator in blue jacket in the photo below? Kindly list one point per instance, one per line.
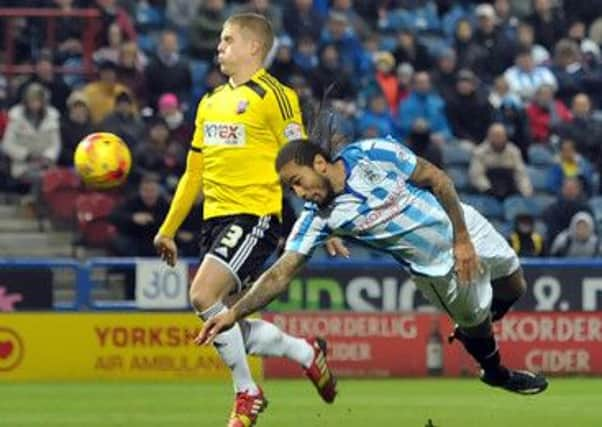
(339, 33)
(423, 104)
(376, 121)
(570, 164)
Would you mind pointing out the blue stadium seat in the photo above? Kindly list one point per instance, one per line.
(540, 156)
(460, 178)
(542, 201)
(515, 205)
(502, 227)
(539, 179)
(488, 206)
(198, 70)
(456, 155)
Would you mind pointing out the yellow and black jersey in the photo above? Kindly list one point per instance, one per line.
(238, 132)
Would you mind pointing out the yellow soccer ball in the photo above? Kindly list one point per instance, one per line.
(102, 160)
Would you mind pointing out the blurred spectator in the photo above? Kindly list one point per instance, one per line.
(339, 34)
(179, 129)
(101, 93)
(359, 25)
(376, 121)
(301, 19)
(329, 71)
(420, 141)
(75, 125)
(507, 22)
(585, 130)
(181, 13)
(283, 67)
(497, 168)
(130, 71)
(545, 114)
(512, 115)
(205, 29)
(524, 77)
(579, 240)
(271, 10)
(577, 32)
(526, 41)
(154, 155)
(168, 72)
(111, 13)
(138, 219)
(568, 70)
(499, 49)
(525, 241)
(110, 51)
(548, 23)
(69, 31)
(444, 74)
(124, 121)
(386, 79)
(468, 109)
(54, 84)
(409, 49)
(500, 92)
(405, 76)
(423, 104)
(32, 140)
(306, 54)
(570, 164)
(470, 54)
(558, 216)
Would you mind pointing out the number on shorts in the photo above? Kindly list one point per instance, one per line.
(232, 236)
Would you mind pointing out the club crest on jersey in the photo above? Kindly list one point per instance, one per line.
(242, 106)
(293, 131)
(369, 174)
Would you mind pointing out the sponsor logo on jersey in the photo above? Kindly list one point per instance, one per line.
(293, 131)
(231, 134)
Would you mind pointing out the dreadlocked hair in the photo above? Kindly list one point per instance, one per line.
(323, 125)
(300, 151)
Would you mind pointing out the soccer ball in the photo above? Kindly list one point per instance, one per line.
(102, 160)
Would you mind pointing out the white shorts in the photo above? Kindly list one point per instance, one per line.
(469, 306)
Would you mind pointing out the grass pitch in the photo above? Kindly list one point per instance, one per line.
(361, 403)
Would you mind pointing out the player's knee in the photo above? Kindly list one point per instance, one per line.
(202, 298)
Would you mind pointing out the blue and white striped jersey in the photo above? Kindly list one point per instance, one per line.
(382, 209)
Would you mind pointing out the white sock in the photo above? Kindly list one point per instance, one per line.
(231, 347)
(265, 339)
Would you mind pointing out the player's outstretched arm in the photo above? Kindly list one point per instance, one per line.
(428, 175)
(269, 285)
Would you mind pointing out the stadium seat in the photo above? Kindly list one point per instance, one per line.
(488, 206)
(540, 156)
(198, 71)
(60, 189)
(460, 178)
(93, 209)
(456, 155)
(515, 205)
(539, 179)
(542, 201)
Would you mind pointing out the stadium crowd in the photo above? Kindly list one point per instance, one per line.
(505, 95)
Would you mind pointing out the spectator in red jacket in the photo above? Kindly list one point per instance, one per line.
(545, 113)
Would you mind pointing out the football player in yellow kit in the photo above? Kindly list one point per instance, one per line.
(239, 129)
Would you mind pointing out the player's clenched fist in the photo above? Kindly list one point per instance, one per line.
(167, 249)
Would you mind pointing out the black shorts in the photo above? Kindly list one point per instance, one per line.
(242, 243)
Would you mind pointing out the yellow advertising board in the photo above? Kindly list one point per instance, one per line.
(90, 346)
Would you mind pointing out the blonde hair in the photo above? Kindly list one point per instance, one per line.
(258, 25)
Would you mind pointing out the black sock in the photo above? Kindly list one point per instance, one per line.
(499, 308)
(486, 352)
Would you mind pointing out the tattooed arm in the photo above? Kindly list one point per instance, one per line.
(428, 175)
(269, 285)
